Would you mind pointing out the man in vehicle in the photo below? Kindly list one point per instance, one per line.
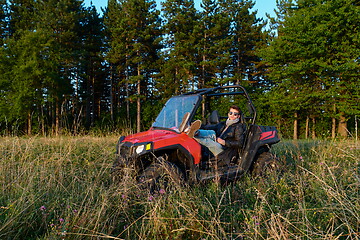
(225, 138)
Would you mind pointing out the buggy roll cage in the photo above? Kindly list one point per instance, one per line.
(217, 91)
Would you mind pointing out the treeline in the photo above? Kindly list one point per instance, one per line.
(66, 68)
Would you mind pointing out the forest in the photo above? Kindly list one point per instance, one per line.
(67, 69)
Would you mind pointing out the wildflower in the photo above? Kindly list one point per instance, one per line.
(42, 208)
(162, 191)
(62, 220)
(257, 223)
(123, 196)
(301, 158)
(151, 198)
(75, 211)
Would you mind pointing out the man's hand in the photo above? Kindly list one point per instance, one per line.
(221, 141)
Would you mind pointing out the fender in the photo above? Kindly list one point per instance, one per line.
(159, 139)
(257, 136)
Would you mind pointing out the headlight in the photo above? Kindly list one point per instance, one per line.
(143, 148)
(139, 149)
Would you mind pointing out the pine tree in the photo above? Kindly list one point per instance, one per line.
(21, 16)
(27, 76)
(214, 44)
(179, 69)
(116, 68)
(91, 85)
(61, 19)
(5, 65)
(3, 21)
(313, 57)
(134, 28)
(52, 49)
(20, 59)
(247, 36)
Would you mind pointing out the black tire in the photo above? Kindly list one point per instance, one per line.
(121, 170)
(161, 176)
(264, 163)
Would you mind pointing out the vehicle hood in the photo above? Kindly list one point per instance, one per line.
(151, 136)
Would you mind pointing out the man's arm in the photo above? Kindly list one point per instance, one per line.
(238, 138)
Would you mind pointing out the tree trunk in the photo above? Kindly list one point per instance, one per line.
(333, 128)
(57, 118)
(175, 77)
(111, 96)
(29, 130)
(88, 103)
(42, 121)
(93, 102)
(138, 114)
(307, 128)
(75, 110)
(203, 70)
(342, 130)
(202, 82)
(356, 128)
(127, 87)
(127, 101)
(295, 126)
(313, 132)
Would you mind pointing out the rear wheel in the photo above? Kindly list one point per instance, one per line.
(265, 163)
(161, 176)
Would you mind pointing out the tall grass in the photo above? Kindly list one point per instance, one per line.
(61, 188)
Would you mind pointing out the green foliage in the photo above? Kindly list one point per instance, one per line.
(63, 67)
(61, 188)
(28, 69)
(45, 61)
(3, 23)
(215, 39)
(180, 58)
(134, 31)
(313, 60)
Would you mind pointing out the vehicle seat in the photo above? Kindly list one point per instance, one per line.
(214, 117)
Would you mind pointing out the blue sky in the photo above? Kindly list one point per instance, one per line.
(263, 6)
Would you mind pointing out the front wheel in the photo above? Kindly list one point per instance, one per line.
(161, 176)
(123, 169)
(264, 163)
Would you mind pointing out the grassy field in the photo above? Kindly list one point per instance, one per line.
(61, 188)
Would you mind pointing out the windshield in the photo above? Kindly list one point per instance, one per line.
(174, 110)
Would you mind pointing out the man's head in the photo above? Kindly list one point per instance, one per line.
(234, 112)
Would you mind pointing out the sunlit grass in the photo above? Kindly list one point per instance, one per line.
(61, 188)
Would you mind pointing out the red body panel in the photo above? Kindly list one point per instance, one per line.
(267, 135)
(166, 138)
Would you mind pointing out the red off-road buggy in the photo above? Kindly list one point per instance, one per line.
(165, 152)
